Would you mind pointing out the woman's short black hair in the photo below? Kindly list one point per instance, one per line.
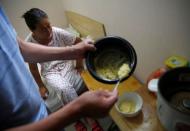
(33, 17)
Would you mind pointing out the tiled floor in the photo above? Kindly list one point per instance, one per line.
(104, 122)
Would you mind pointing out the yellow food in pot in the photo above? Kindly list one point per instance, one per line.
(123, 71)
(127, 106)
(108, 73)
(114, 73)
(110, 62)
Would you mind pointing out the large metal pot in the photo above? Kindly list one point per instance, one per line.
(173, 104)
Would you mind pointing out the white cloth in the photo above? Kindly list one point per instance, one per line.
(61, 76)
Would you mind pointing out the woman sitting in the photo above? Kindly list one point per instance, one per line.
(61, 76)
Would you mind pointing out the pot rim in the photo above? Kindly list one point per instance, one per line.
(132, 64)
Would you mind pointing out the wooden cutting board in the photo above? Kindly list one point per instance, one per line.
(147, 120)
(129, 85)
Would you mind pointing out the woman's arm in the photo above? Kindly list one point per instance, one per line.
(79, 62)
(77, 40)
(34, 53)
(36, 74)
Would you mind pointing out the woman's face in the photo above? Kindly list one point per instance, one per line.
(43, 30)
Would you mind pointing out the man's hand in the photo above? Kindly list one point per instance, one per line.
(92, 103)
(97, 103)
(81, 48)
(36, 53)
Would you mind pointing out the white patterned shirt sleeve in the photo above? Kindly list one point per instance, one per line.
(65, 37)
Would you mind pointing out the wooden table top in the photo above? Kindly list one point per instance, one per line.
(129, 85)
(147, 120)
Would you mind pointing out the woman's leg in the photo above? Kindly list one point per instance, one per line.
(66, 92)
(62, 87)
(78, 84)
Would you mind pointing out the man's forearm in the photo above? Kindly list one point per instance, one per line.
(56, 121)
(34, 53)
(94, 104)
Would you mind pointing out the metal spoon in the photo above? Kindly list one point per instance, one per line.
(120, 77)
(116, 86)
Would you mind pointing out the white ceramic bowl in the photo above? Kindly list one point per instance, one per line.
(128, 97)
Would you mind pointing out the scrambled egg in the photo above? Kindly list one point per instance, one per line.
(127, 106)
(124, 71)
(114, 73)
(112, 64)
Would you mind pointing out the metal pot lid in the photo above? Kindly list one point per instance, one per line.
(181, 101)
(174, 87)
